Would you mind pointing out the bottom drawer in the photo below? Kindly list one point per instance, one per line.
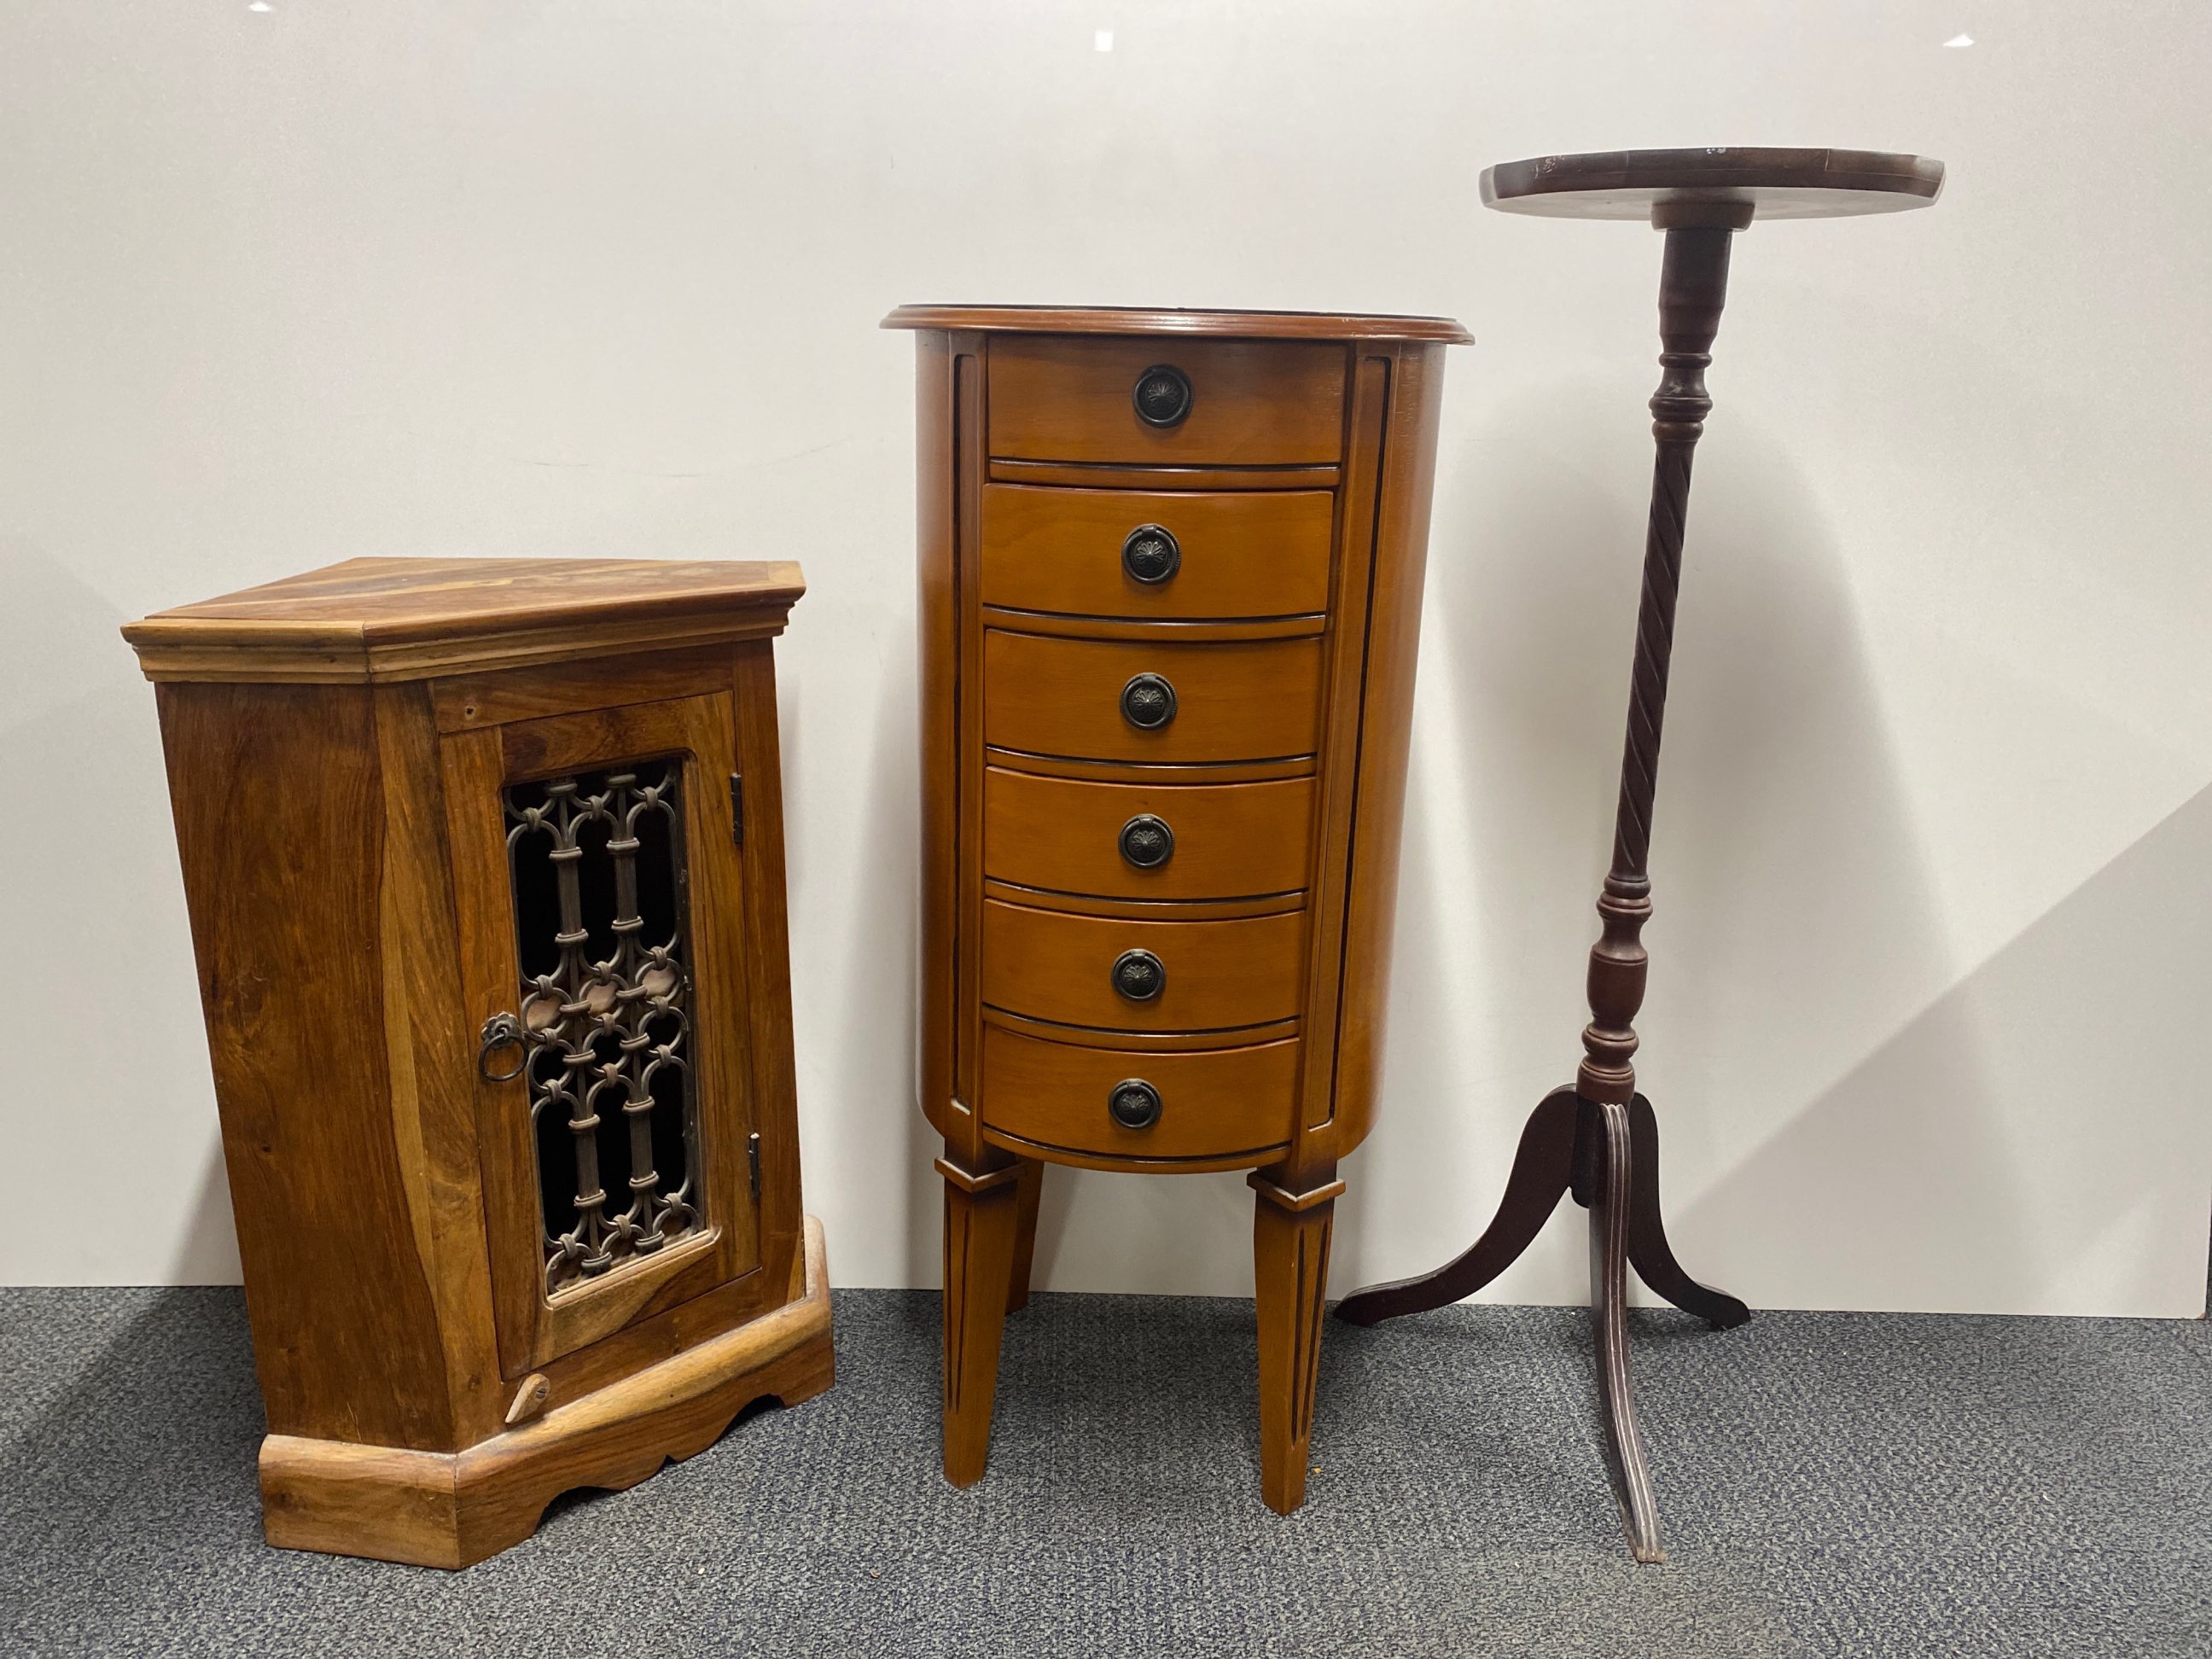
(1212, 1102)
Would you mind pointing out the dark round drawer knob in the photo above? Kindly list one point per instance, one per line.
(1163, 396)
(1146, 841)
(1134, 1104)
(1140, 975)
(1151, 554)
(1148, 702)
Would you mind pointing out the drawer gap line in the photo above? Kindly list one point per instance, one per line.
(1122, 1031)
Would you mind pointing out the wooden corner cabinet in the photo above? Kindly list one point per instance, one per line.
(485, 861)
(1170, 586)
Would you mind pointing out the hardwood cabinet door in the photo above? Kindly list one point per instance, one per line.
(601, 893)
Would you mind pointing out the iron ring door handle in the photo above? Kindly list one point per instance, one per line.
(500, 1031)
(1134, 1104)
(1146, 841)
(1151, 554)
(1163, 396)
(1140, 975)
(1148, 702)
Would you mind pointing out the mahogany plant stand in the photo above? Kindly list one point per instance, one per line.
(1598, 1140)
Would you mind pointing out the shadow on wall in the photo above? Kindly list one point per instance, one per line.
(118, 1082)
(862, 1147)
(1903, 1160)
(1795, 927)
(206, 1250)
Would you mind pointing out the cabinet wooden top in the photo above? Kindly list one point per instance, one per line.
(403, 619)
(1203, 325)
(1770, 184)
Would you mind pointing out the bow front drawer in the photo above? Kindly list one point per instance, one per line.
(1110, 1102)
(1120, 975)
(1166, 402)
(1132, 699)
(1138, 841)
(1165, 553)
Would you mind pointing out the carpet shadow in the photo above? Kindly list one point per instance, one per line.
(95, 1470)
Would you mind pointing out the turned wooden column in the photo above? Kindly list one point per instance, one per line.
(1599, 1140)
(1692, 286)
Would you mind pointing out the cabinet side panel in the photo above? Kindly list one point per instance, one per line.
(430, 1047)
(768, 962)
(470, 772)
(1336, 801)
(1402, 552)
(277, 792)
(948, 393)
(937, 616)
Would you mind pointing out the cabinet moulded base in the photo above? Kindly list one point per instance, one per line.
(455, 1508)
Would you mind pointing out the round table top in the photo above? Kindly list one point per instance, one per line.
(1767, 183)
(1215, 325)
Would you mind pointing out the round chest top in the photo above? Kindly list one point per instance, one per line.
(1660, 184)
(1204, 325)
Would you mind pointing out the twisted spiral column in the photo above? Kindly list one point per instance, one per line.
(1692, 287)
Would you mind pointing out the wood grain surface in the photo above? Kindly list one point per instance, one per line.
(467, 702)
(1115, 771)
(345, 868)
(982, 1224)
(533, 1330)
(1232, 840)
(1050, 966)
(1290, 1260)
(399, 619)
(277, 794)
(1179, 324)
(1069, 399)
(452, 1510)
(1233, 701)
(1289, 487)
(1259, 553)
(1765, 183)
(1394, 637)
(764, 958)
(946, 389)
(1348, 666)
(425, 1030)
(1098, 475)
(1221, 1104)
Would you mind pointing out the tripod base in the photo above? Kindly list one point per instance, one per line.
(1598, 1153)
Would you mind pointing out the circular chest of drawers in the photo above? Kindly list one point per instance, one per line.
(1171, 584)
(1170, 591)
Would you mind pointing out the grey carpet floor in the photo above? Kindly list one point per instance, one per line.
(1831, 1483)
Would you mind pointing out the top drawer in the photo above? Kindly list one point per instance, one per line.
(1214, 403)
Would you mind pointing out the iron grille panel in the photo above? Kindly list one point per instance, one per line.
(597, 860)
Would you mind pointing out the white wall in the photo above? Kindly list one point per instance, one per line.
(280, 287)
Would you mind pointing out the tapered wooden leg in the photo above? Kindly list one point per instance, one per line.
(980, 1214)
(1649, 1252)
(1290, 1259)
(1541, 1170)
(1624, 1445)
(1028, 1190)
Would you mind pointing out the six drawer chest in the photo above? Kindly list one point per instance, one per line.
(1171, 581)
